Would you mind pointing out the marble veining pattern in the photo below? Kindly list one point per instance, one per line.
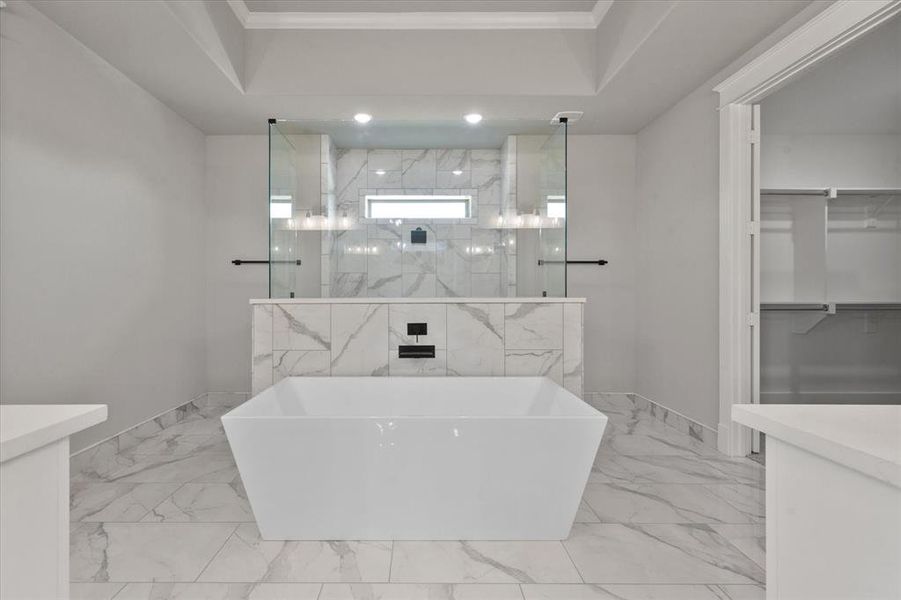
(475, 339)
(686, 525)
(360, 338)
(471, 339)
(534, 326)
(294, 363)
(247, 557)
(261, 376)
(374, 258)
(301, 327)
(547, 363)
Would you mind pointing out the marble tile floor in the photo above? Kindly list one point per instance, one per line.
(663, 517)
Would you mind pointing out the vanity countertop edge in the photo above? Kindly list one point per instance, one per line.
(27, 427)
(866, 438)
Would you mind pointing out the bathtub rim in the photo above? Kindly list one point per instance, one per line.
(592, 414)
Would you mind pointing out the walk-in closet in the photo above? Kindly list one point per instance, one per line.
(830, 230)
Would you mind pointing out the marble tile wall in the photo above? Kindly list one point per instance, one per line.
(374, 258)
(470, 338)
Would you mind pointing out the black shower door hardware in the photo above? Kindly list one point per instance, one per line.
(244, 261)
(600, 261)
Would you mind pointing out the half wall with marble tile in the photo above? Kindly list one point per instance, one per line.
(472, 337)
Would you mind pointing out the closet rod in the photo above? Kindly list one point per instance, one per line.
(839, 307)
(826, 192)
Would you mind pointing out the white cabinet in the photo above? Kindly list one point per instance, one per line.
(833, 500)
(34, 497)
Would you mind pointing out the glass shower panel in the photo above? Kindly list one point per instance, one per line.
(551, 217)
(282, 195)
(429, 209)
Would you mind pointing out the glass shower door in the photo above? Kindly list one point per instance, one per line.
(282, 234)
(551, 217)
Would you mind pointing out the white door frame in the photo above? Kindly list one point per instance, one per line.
(836, 26)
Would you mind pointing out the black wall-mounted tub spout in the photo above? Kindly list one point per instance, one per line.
(416, 351)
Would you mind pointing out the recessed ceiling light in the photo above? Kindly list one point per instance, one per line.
(458, 172)
(362, 118)
(473, 118)
(380, 172)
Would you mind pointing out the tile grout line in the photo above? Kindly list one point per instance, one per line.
(569, 556)
(160, 503)
(216, 553)
(391, 560)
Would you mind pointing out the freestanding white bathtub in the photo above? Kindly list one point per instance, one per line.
(414, 458)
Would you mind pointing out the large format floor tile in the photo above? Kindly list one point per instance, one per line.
(641, 592)
(94, 591)
(645, 437)
(615, 553)
(662, 503)
(482, 562)
(220, 591)
(613, 467)
(247, 557)
(204, 503)
(420, 591)
(104, 552)
(157, 468)
(749, 499)
(195, 591)
(750, 539)
(664, 517)
(116, 502)
(739, 470)
(181, 444)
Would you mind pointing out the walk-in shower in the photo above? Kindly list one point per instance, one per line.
(417, 209)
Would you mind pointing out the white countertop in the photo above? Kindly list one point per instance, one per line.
(24, 428)
(863, 438)
(512, 300)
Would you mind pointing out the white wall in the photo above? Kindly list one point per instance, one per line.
(101, 234)
(237, 172)
(678, 246)
(677, 250)
(824, 160)
(601, 224)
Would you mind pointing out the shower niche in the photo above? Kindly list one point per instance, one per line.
(417, 209)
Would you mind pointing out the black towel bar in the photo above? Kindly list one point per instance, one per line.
(244, 261)
(599, 261)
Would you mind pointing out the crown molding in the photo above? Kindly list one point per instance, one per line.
(420, 20)
(835, 27)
